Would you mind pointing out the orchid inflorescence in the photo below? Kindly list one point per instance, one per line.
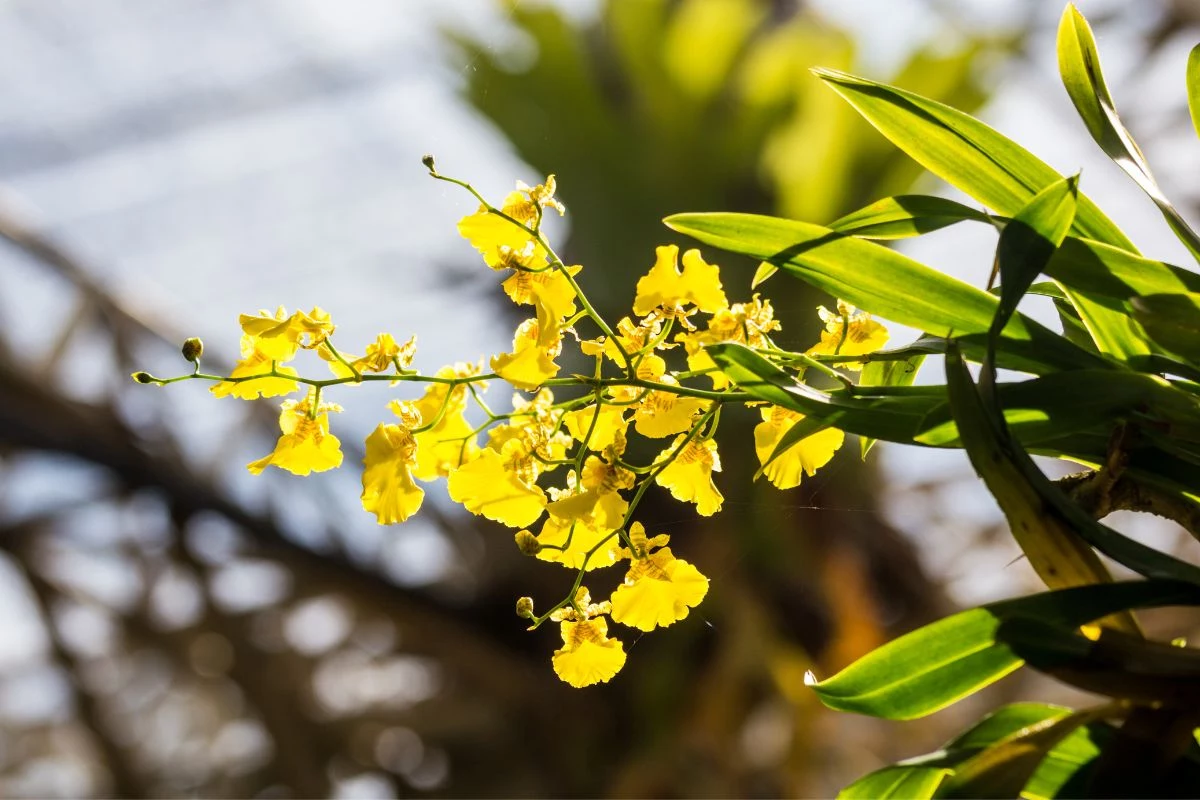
(587, 519)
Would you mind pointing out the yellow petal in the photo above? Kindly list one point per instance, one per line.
(658, 591)
(556, 289)
(305, 446)
(527, 368)
(804, 457)
(662, 414)
(609, 421)
(485, 487)
(492, 234)
(701, 360)
(849, 333)
(689, 476)
(576, 538)
(444, 447)
(389, 491)
(588, 656)
(665, 286)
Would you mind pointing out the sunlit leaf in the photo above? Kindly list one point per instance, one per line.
(903, 216)
(1003, 769)
(888, 373)
(1033, 504)
(899, 782)
(883, 282)
(939, 664)
(1079, 64)
(1172, 321)
(964, 152)
(1193, 87)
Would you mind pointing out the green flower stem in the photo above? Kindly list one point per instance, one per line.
(806, 360)
(337, 354)
(683, 391)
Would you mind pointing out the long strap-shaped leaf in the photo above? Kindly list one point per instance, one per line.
(1079, 64)
(1051, 406)
(988, 166)
(885, 283)
(964, 152)
(941, 663)
(1027, 496)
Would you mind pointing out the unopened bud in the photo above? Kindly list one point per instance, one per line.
(427, 160)
(527, 543)
(193, 348)
(143, 377)
(525, 607)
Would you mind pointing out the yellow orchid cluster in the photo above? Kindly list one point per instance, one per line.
(498, 469)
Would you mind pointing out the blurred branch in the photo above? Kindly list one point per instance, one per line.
(125, 781)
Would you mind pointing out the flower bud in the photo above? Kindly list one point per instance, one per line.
(142, 377)
(193, 348)
(427, 160)
(527, 543)
(525, 607)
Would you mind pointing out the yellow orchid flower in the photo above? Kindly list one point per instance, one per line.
(587, 656)
(306, 444)
(278, 336)
(689, 476)
(389, 491)
(536, 344)
(748, 323)
(662, 414)
(665, 286)
(609, 421)
(255, 363)
(804, 457)
(849, 332)
(659, 589)
(497, 238)
(495, 486)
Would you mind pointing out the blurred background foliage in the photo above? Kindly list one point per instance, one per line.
(195, 636)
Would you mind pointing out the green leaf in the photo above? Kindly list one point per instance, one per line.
(888, 373)
(964, 152)
(883, 282)
(900, 782)
(1044, 409)
(1069, 763)
(1105, 279)
(1004, 769)
(892, 418)
(903, 216)
(1055, 551)
(939, 664)
(1003, 723)
(1079, 64)
(1193, 86)
(1027, 243)
(1172, 321)
(1040, 515)
(1102, 271)
(1114, 664)
(1014, 724)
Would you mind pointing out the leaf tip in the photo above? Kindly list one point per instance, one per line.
(810, 678)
